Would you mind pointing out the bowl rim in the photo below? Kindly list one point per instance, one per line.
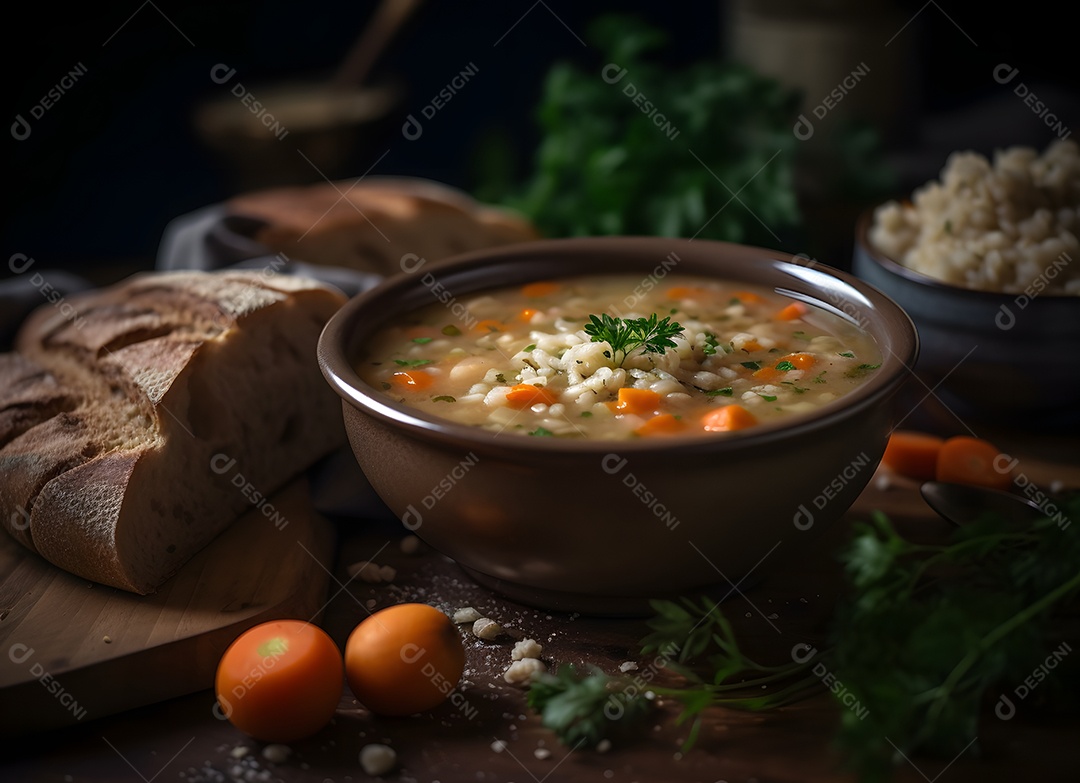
(891, 265)
(343, 378)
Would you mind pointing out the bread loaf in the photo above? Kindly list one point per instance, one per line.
(369, 224)
(134, 432)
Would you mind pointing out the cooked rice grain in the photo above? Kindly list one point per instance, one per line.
(1010, 227)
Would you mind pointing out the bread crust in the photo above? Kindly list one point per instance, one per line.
(109, 420)
(32, 401)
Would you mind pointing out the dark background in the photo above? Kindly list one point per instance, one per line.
(117, 157)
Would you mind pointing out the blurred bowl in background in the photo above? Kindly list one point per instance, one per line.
(260, 132)
(993, 354)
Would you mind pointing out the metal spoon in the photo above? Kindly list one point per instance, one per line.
(962, 504)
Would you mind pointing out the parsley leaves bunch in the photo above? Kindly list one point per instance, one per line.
(927, 638)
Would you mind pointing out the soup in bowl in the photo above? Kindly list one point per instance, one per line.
(595, 357)
(587, 424)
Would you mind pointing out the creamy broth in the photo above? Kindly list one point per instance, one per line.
(523, 360)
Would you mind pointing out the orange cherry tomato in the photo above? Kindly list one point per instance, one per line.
(280, 681)
(404, 659)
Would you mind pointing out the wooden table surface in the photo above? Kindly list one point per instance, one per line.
(183, 739)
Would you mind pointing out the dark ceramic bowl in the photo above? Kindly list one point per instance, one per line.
(986, 355)
(601, 526)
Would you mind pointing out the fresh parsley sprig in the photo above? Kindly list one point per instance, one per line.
(585, 706)
(697, 632)
(604, 167)
(927, 637)
(931, 633)
(625, 335)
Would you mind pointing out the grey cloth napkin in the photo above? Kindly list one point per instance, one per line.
(30, 288)
(210, 239)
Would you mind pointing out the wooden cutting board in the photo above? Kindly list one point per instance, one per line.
(72, 651)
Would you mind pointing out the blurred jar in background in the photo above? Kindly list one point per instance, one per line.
(854, 62)
(850, 59)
